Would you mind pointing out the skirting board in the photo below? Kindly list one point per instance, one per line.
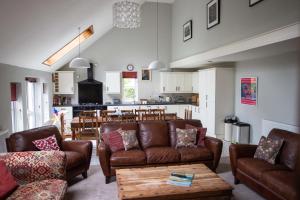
(282, 34)
(268, 125)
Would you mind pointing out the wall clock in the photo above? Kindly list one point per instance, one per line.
(130, 67)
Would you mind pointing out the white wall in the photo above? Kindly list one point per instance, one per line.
(120, 47)
(238, 21)
(278, 91)
(10, 74)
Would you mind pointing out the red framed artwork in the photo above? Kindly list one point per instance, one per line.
(249, 91)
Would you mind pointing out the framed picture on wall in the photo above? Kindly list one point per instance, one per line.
(187, 31)
(249, 91)
(254, 2)
(146, 75)
(213, 13)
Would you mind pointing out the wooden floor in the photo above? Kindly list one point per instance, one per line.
(151, 183)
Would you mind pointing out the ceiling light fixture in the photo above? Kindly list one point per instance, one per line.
(68, 47)
(156, 64)
(127, 14)
(79, 62)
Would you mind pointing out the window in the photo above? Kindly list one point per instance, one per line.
(68, 47)
(130, 89)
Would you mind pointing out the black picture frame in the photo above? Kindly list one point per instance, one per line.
(254, 2)
(213, 10)
(187, 30)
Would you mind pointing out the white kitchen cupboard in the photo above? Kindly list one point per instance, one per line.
(176, 82)
(113, 82)
(63, 82)
(216, 93)
(195, 82)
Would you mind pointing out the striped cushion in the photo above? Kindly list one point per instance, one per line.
(114, 140)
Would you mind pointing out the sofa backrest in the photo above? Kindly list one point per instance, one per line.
(180, 124)
(113, 126)
(22, 141)
(153, 134)
(290, 151)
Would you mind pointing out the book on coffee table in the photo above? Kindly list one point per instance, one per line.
(180, 179)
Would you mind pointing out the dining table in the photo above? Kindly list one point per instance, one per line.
(77, 125)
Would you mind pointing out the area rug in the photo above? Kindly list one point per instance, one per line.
(94, 187)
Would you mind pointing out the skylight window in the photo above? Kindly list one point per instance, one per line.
(71, 45)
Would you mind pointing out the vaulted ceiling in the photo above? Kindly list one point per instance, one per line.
(32, 30)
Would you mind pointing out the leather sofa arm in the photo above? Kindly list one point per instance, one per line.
(104, 158)
(215, 146)
(26, 166)
(237, 151)
(83, 147)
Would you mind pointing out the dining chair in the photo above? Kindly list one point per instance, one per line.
(105, 115)
(170, 116)
(126, 111)
(150, 117)
(89, 126)
(128, 117)
(63, 129)
(139, 113)
(160, 112)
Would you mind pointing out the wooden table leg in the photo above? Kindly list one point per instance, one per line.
(73, 133)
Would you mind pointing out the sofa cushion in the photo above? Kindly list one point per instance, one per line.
(186, 138)
(194, 154)
(268, 149)
(126, 158)
(7, 181)
(156, 155)
(47, 144)
(255, 167)
(154, 134)
(114, 140)
(74, 159)
(201, 133)
(53, 189)
(180, 124)
(129, 139)
(282, 182)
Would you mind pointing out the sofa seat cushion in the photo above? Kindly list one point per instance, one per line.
(255, 167)
(126, 158)
(194, 154)
(53, 189)
(282, 182)
(74, 159)
(156, 155)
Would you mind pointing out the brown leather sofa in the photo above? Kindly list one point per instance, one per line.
(157, 140)
(78, 153)
(276, 182)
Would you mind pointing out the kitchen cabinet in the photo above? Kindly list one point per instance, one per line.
(176, 82)
(216, 94)
(113, 82)
(63, 82)
(195, 82)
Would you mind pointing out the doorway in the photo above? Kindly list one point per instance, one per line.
(16, 104)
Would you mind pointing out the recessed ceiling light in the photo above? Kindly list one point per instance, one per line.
(71, 45)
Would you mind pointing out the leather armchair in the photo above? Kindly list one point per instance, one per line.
(78, 153)
(273, 181)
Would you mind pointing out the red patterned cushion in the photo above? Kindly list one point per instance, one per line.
(201, 134)
(47, 144)
(33, 166)
(114, 140)
(7, 181)
(41, 190)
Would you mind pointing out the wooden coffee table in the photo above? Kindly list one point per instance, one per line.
(150, 183)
